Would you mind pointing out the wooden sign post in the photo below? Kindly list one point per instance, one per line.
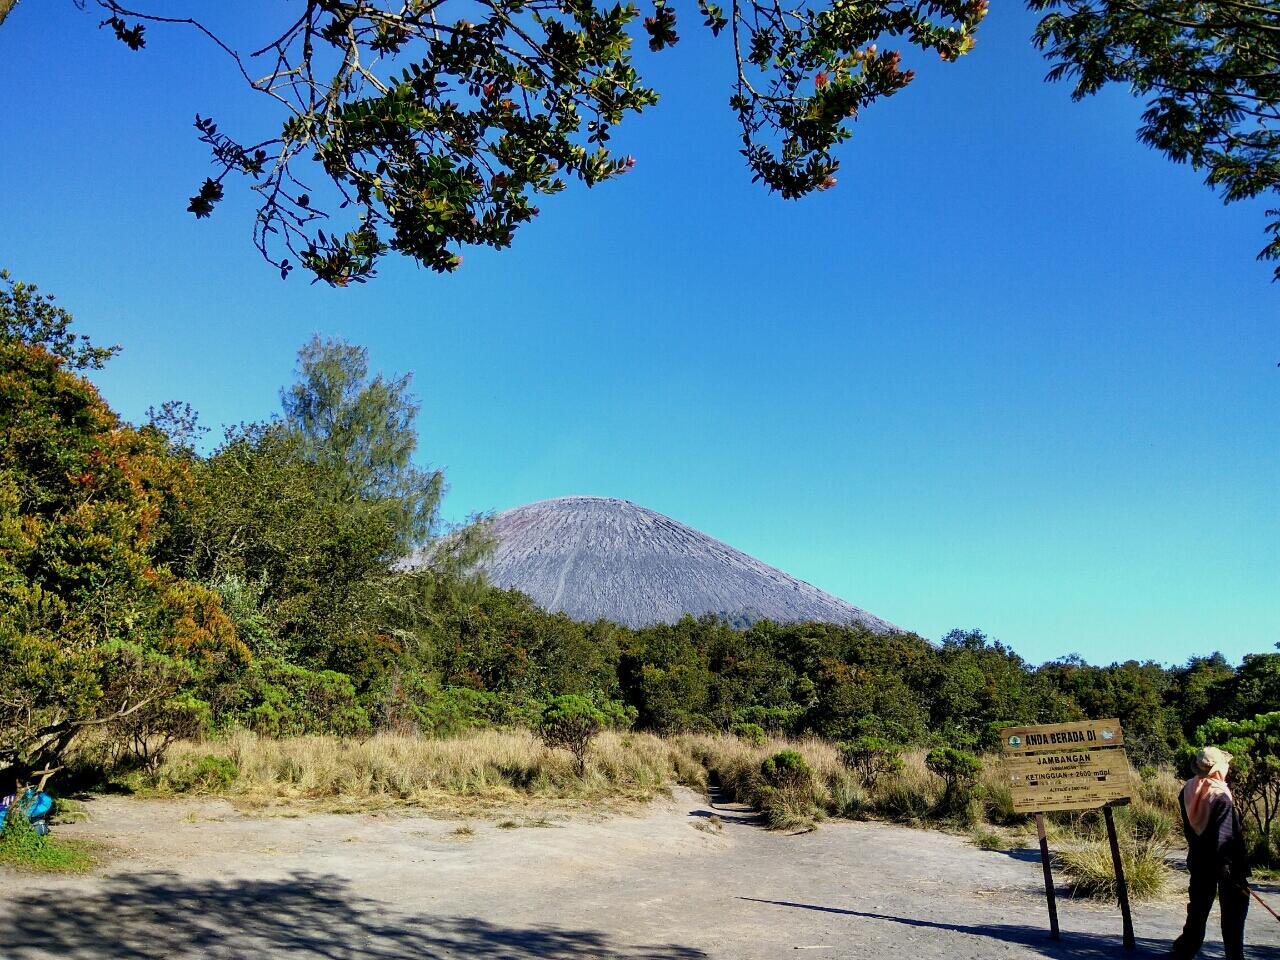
(1070, 766)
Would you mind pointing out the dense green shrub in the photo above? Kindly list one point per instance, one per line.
(956, 768)
(786, 769)
(572, 722)
(959, 773)
(752, 733)
(871, 758)
(276, 699)
(788, 797)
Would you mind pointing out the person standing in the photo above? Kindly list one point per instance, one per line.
(1216, 857)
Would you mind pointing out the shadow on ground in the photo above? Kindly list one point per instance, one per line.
(1021, 854)
(1072, 946)
(308, 917)
(726, 808)
(735, 816)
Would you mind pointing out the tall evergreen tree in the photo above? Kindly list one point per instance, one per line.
(359, 430)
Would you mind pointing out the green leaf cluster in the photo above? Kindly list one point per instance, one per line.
(1254, 745)
(871, 758)
(1208, 72)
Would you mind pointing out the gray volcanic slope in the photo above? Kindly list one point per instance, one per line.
(594, 558)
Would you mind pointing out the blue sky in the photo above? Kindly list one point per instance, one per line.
(1016, 371)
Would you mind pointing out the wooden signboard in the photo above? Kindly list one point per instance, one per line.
(1068, 780)
(1086, 734)
(1070, 766)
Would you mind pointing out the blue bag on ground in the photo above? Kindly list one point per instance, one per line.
(37, 806)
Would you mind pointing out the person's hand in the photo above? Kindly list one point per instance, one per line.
(1234, 875)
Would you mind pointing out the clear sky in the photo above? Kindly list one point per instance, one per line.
(1016, 371)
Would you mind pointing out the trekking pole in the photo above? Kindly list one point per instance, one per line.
(1265, 905)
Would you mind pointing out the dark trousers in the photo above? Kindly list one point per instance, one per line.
(1233, 902)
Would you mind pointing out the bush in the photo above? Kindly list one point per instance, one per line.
(786, 769)
(959, 773)
(280, 699)
(752, 733)
(572, 722)
(21, 846)
(787, 799)
(871, 758)
(208, 773)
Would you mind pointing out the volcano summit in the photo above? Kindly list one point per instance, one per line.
(593, 558)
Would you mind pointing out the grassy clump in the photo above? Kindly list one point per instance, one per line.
(848, 799)
(198, 774)
(497, 765)
(871, 758)
(23, 848)
(1089, 869)
(985, 839)
(1150, 825)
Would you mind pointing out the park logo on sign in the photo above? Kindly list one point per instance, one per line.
(1015, 741)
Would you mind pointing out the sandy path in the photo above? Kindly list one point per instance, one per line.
(197, 879)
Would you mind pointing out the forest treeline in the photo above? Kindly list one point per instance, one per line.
(149, 592)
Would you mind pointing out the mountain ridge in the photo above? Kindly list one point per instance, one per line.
(607, 558)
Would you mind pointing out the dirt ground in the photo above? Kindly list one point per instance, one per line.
(197, 879)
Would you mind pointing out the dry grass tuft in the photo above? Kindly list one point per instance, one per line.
(985, 839)
(488, 772)
(486, 767)
(1160, 789)
(1090, 871)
